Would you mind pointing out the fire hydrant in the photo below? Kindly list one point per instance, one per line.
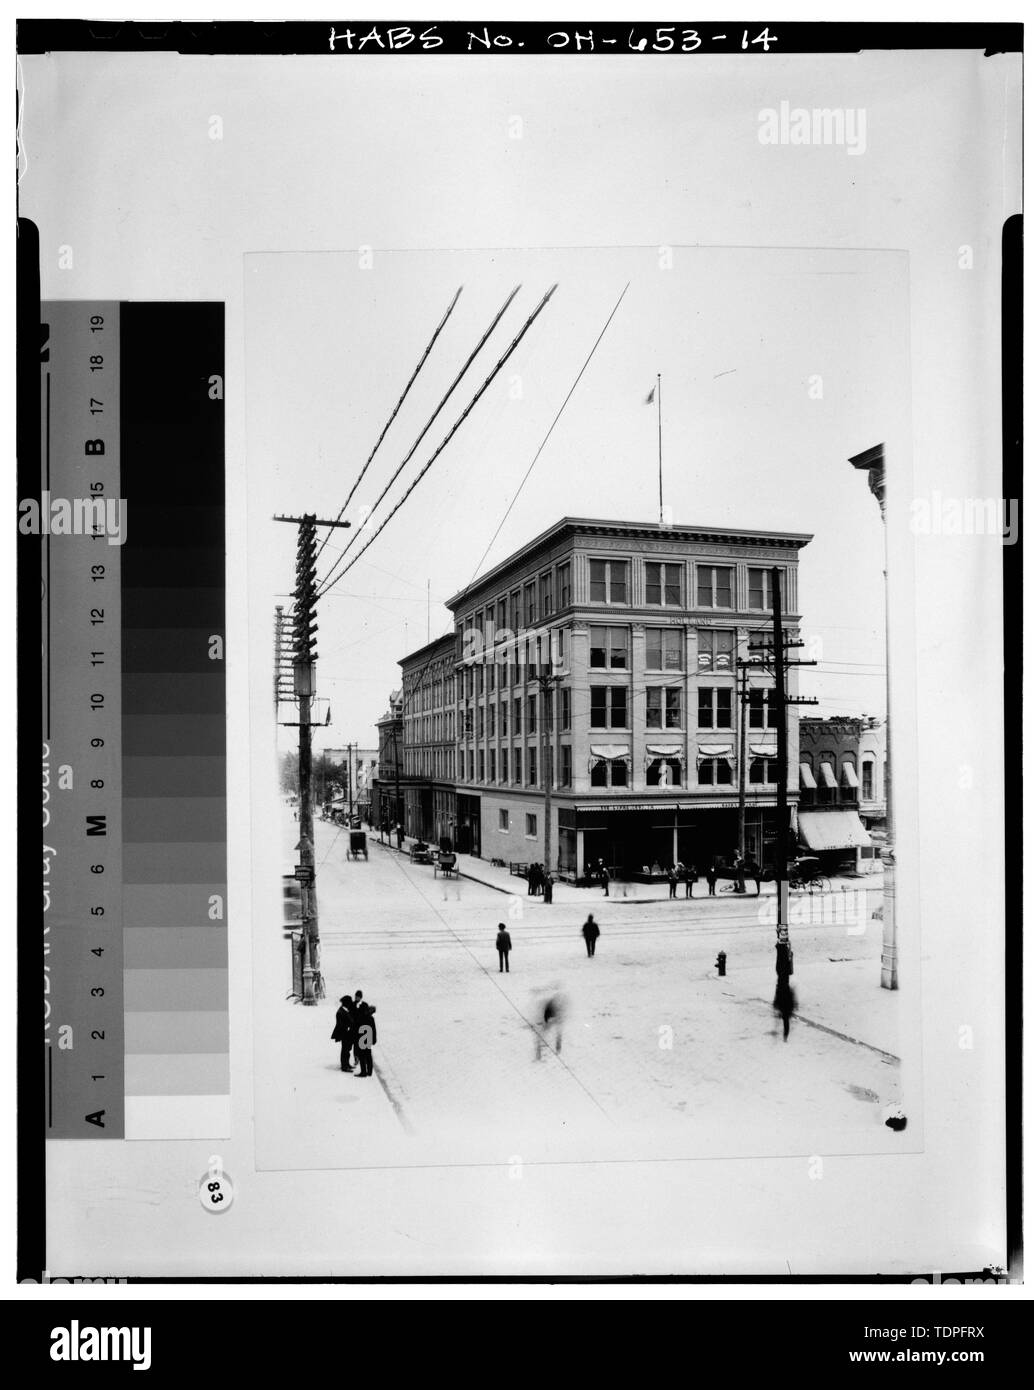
(720, 963)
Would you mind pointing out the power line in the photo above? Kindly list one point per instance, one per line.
(405, 393)
(438, 410)
(477, 396)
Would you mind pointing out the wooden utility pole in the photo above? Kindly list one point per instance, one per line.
(304, 631)
(742, 803)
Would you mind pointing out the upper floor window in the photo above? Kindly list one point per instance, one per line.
(516, 715)
(714, 772)
(663, 649)
(515, 605)
(714, 707)
(716, 650)
(608, 648)
(762, 709)
(529, 604)
(546, 594)
(565, 764)
(868, 768)
(759, 589)
(763, 770)
(664, 585)
(608, 707)
(563, 583)
(714, 586)
(608, 581)
(500, 610)
(663, 707)
(565, 710)
(609, 772)
(664, 772)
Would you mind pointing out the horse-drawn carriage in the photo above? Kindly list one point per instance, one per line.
(445, 864)
(420, 853)
(357, 845)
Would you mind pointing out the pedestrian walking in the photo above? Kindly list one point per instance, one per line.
(552, 1025)
(712, 878)
(605, 880)
(591, 933)
(504, 946)
(673, 883)
(689, 875)
(365, 1037)
(399, 835)
(533, 872)
(547, 888)
(344, 1030)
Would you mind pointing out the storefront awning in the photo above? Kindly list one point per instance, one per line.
(763, 750)
(829, 777)
(832, 830)
(664, 750)
(850, 776)
(807, 777)
(714, 750)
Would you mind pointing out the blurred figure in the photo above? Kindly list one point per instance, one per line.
(504, 946)
(591, 933)
(784, 1003)
(551, 1031)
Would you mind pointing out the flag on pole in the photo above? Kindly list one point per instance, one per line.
(650, 398)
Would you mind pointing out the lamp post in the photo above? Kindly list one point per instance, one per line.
(872, 462)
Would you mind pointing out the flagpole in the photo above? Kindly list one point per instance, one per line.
(660, 469)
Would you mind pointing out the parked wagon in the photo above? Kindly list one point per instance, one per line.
(420, 853)
(357, 844)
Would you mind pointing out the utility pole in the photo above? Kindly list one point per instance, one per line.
(780, 701)
(742, 803)
(304, 628)
(351, 748)
(872, 461)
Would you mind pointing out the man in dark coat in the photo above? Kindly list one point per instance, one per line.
(344, 1030)
(365, 1037)
(547, 887)
(673, 882)
(712, 878)
(591, 933)
(503, 945)
(689, 874)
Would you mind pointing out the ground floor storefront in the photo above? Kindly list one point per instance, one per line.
(430, 812)
(637, 840)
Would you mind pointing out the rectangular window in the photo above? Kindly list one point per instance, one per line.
(491, 764)
(608, 581)
(565, 764)
(500, 609)
(481, 721)
(515, 606)
(762, 709)
(481, 764)
(608, 706)
(673, 707)
(714, 707)
(505, 756)
(714, 586)
(504, 820)
(532, 714)
(664, 585)
(565, 709)
(503, 720)
(608, 648)
(867, 770)
(663, 649)
(529, 604)
(491, 721)
(460, 765)
(546, 594)
(468, 723)
(517, 766)
(716, 649)
(531, 825)
(533, 767)
(664, 707)
(763, 771)
(714, 772)
(759, 589)
(563, 580)
(490, 623)
(516, 715)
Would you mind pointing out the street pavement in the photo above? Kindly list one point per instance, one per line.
(660, 1057)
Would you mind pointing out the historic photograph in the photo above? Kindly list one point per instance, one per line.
(582, 765)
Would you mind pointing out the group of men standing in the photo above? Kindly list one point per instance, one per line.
(356, 1031)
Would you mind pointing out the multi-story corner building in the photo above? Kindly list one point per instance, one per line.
(642, 737)
(843, 763)
(429, 740)
(386, 797)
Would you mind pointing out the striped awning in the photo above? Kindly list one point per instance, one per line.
(832, 830)
(849, 775)
(829, 777)
(807, 777)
